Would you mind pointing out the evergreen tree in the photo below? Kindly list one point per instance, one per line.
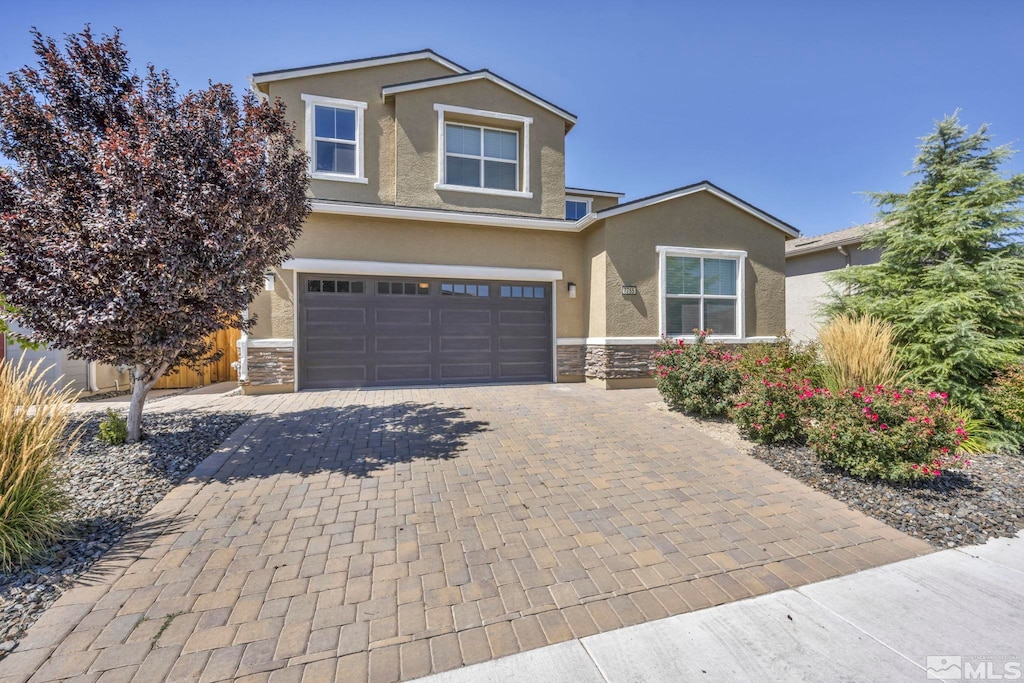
(951, 274)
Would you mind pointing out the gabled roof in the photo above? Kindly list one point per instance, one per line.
(702, 186)
(482, 74)
(830, 240)
(365, 63)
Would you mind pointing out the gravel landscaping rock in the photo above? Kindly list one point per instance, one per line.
(959, 508)
(112, 487)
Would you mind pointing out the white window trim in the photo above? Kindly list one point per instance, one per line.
(739, 256)
(586, 200)
(522, 160)
(359, 108)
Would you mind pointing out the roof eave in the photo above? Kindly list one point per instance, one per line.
(398, 88)
(353, 64)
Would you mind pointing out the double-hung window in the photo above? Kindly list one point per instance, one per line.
(702, 289)
(476, 156)
(334, 138)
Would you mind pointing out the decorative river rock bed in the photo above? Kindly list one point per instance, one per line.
(112, 488)
(959, 508)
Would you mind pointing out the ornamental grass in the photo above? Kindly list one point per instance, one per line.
(34, 421)
(859, 351)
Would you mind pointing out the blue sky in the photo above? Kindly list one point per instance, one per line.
(795, 106)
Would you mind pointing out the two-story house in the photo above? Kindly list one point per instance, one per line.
(445, 247)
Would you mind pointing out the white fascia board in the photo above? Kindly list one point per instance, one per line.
(594, 193)
(431, 216)
(342, 267)
(350, 66)
(703, 187)
(389, 90)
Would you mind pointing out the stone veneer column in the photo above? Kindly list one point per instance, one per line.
(606, 362)
(571, 361)
(270, 368)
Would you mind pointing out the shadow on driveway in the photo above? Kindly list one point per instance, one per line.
(356, 440)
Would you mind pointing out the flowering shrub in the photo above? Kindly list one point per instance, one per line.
(772, 407)
(880, 433)
(698, 378)
(801, 360)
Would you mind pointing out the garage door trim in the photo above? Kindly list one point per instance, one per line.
(339, 267)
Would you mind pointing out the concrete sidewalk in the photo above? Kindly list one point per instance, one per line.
(949, 615)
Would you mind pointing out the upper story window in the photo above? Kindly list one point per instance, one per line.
(701, 289)
(576, 208)
(334, 138)
(481, 157)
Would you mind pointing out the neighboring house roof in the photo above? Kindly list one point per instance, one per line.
(364, 63)
(702, 186)
(594, 193)
(830, 240)
(482, 74)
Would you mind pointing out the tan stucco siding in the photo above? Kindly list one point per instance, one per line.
(594, 288)
(360, 85)
(417, 149)
(698, 220)
(367, 239)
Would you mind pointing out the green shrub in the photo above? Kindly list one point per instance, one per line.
(113, 428)
(698, 378)
(886, 434)
(758, 361)
(34, 422)
(772, 408)
(1005, 398)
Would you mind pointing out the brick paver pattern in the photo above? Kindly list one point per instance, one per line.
(386, 535)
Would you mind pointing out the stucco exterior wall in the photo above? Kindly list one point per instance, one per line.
(360, 85)
(328, 236)
(594, 287)
(417, 149)
(806, 287)
(696, 220)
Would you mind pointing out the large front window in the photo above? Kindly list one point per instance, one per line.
(481, 157)
(702, 290)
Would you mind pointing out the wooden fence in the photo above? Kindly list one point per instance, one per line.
(219, 371)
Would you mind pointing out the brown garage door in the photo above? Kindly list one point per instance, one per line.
(378, 331)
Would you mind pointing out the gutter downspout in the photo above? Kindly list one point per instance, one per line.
(90, 372)
(241, 365)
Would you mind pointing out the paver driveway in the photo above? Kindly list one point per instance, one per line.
(390, 534)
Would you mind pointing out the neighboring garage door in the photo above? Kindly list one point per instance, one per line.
(366, 331)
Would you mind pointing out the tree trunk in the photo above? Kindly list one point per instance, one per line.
(143, 379)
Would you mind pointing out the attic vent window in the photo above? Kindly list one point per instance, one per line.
(576, 208)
